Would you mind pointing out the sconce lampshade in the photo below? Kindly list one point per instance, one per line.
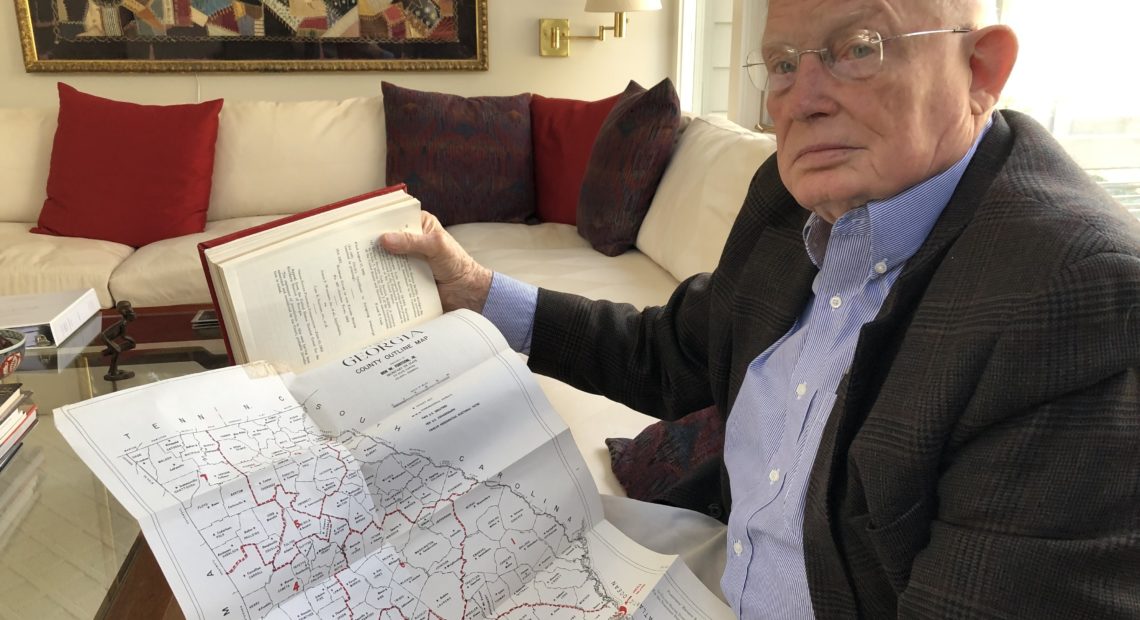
(621, 6)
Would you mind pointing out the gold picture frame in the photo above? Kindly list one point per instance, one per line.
(253, 35)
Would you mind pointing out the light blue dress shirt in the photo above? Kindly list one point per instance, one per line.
(774, 429)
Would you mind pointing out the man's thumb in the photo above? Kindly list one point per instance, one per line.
(395, 242)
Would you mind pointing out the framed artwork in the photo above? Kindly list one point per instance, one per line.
(253, 35)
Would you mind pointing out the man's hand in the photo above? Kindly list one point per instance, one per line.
(462, 282)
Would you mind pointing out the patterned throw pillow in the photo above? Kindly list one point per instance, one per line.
(629, 156)
(671, 462)
(467, 159)
(129, 173)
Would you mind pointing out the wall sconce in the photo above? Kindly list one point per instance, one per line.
(554, 34)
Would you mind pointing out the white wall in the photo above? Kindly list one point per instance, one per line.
(594, 69)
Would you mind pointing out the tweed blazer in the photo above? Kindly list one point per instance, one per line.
(982, 458)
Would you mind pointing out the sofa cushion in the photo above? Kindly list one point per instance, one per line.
(465, 159)
(555, 257)
(25, 156)
(563, 131)
(129, 173)
(169, 272)
(700, 194)
(626, 163)
(285, 157)
(32, 263)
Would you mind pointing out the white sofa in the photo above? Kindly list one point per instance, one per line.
(274, 158)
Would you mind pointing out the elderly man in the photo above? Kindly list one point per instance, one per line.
(924, 330)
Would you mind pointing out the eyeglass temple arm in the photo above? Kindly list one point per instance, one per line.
(958, 30)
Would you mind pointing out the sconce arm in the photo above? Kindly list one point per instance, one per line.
(618, 28)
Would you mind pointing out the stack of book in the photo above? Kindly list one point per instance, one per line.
(17, 417)
(19, 487)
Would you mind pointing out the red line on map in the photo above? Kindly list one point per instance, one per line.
(554, 605)
(272, 562)
(462, 560)
(347, 596)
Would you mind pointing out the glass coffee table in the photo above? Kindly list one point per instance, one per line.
(66, 545)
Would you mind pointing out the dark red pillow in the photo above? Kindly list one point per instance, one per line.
(467, 159)
(672, 462)
(563, 131)
(629, 156)
(129, 173)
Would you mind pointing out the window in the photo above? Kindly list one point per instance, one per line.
(1076, 75)
(713, 44)
(706, 56)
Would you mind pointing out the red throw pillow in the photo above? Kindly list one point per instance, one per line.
(129, 173)
(629, 156)
(563, 131)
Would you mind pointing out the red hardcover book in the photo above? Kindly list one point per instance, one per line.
(14, 436)
(311, 286)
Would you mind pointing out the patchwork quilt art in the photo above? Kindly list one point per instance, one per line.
(160, 35)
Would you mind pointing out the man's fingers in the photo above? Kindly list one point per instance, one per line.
(428, 222)
(462, 282)
(427, 243)
(396, 242)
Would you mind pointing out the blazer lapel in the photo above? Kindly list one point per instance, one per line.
(877, 345)
(772, 291)
(879, 339)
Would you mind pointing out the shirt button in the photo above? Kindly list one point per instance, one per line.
(836, 302)
(881, 267)
(774, 476)
(737, 547)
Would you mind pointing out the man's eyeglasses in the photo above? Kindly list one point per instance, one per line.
(854, 56)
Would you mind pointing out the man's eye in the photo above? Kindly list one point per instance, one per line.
(855, 50)
(782, 66)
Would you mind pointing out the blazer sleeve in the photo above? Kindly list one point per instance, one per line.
(654, 361)
(1038, 511)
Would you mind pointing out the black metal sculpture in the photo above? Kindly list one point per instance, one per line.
(117, 341)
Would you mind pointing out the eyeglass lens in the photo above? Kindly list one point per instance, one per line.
(853, 56)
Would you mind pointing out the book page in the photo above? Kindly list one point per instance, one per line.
(466, 499)
(376, 380)
(325, 291)
(277, 234)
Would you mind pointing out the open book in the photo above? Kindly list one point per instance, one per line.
(421, 476)
(312, 286)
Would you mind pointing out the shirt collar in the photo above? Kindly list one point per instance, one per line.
(898, 225)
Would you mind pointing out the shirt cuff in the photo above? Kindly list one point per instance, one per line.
(510, 307)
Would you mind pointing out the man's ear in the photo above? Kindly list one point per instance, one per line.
(991, 61)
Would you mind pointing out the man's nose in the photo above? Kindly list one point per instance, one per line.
(809, 95)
